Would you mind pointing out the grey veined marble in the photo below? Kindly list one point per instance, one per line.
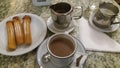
(94, 60)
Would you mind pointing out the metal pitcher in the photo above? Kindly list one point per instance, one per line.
(62, 14)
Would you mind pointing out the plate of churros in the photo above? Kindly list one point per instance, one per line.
(21, 33)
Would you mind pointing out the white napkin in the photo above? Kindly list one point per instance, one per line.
(96, 40)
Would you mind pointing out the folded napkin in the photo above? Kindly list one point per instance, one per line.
(96, 40)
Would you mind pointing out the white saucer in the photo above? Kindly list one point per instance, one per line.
(42, 50)
(111, 29)
(38, 33)
(53, 29)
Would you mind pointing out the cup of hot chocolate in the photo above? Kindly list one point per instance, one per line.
(61, 49)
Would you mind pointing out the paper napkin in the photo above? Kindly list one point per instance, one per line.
(96, 40)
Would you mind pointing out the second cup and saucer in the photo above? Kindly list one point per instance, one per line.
(42, 51)
(104, 19)
(110, 29)
(53, 29)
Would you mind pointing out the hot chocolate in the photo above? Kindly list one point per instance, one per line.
(61, 47)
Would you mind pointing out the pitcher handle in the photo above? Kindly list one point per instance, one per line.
(81, 10)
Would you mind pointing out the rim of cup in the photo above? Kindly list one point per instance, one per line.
(73, 41)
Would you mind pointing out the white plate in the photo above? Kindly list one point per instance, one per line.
(38, 32)
(53, 29)
(42, 50)
(111, 29)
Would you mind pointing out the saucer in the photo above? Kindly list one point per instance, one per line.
(42, 50)
(111, 29)
(53, 29)
(38, 33)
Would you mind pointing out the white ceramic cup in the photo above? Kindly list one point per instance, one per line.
(61, 61)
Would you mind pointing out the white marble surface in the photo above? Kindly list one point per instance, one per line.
(94, 60)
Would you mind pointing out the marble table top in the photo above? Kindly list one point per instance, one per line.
(94, 60)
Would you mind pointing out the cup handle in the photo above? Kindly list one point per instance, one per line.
(76, 11)
(81, 60)
(116, 18)
(46, 57)
(116, 23)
